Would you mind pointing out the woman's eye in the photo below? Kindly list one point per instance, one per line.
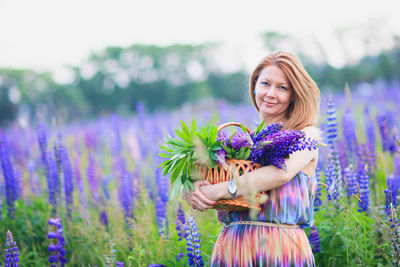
(264, 83)
(283, 87)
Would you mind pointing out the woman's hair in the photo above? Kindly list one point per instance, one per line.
(305, 109)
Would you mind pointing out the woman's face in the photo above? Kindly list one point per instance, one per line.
(273, 94)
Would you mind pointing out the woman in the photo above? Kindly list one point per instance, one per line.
(282, 91)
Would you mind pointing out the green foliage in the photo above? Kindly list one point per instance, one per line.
(193, 146)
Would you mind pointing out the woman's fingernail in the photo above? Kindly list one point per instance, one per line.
(215, 203)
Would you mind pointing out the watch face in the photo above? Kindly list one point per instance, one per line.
(232, 187)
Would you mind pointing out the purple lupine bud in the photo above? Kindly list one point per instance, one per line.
(160, 215)
(81, 188)
(9, 175)
(349, 132)
(180, 222)
(369, 127)
(193, 243)
(42, 140)
(162, 185)
(387, 138)
(179, 257)
(52, 180)
(351, 179)
(366, 156)
(126, 194)
(363, 181)
(92, 179)
(119, 264)
(393, 186)
(12, 254)
(342, 154)
(68, 179)
(317, 200)
(314, 239)
(56, 249)
(103, 218)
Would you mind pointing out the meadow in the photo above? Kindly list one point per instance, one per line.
(100, 178)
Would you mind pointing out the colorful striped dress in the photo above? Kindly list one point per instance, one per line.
(255, 245)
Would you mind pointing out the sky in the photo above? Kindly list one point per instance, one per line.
(48, 35)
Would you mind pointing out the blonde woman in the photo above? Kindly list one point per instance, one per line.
(281, 91)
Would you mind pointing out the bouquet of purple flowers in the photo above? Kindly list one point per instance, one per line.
(269, 145)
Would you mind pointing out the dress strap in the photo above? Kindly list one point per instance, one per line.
(278, 225)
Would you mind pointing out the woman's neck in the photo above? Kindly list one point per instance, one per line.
(269, 120)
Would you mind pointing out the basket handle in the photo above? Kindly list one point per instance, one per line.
(231, 124)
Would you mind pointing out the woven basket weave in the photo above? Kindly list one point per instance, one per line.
(234, 168)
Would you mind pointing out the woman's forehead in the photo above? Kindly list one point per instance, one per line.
(274, 74)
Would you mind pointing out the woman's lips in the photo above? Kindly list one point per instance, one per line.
(269, 104)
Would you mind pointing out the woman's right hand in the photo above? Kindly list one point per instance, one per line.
(196, 199)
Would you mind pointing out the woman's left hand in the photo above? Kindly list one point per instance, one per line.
(210, 191)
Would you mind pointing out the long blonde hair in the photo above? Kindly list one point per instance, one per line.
(305, 110)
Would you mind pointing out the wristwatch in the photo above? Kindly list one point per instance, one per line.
(232, 189)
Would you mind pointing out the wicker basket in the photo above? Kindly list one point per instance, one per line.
(235, 168)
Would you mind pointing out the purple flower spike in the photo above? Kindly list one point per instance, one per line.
(193, 243)
(180, 222)
(57, 248)
(12, 254)
(363, 181)
(314, 239)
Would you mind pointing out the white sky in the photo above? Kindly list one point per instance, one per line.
(47, 34)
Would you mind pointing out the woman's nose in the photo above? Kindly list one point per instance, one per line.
(271, 91)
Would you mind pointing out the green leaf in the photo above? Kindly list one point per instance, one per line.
(260, 127)
(247, 154)
(193, 126)
(243, 128)
(212, 156)
(176, 142)
(185, 128)
(186, 186)
(191, 185)
(176, 188)
(183, 136)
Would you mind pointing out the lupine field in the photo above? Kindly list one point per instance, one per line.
(90, 193)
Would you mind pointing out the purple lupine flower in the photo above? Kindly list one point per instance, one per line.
(162, 185)
(351, 179)
(269, 130)
(193, 243)
(240, 140)
(393, 185)
(332, 139)
(349, 132)
(9, 176)
(12, 253)
(366, 156)
(160, 215)
(317, 200)
(92, 179)
(180, 222)
(363, 181)
(314, 239)
(221, 156)
(342, 154)
(274, 148)
(119, 264)
(180, 256)
(387, 138)
(369, 127)
(42, 141)
(68, 179)
(103, 218)
(331, 181)
(331, 125)
(52, 180)
(81, 188)
(126, 193)
(58, 246)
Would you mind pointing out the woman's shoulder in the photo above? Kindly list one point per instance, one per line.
(312, 132)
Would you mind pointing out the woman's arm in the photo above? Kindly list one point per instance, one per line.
(267, 177)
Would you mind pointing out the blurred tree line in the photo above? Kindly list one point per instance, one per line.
(117, 79)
